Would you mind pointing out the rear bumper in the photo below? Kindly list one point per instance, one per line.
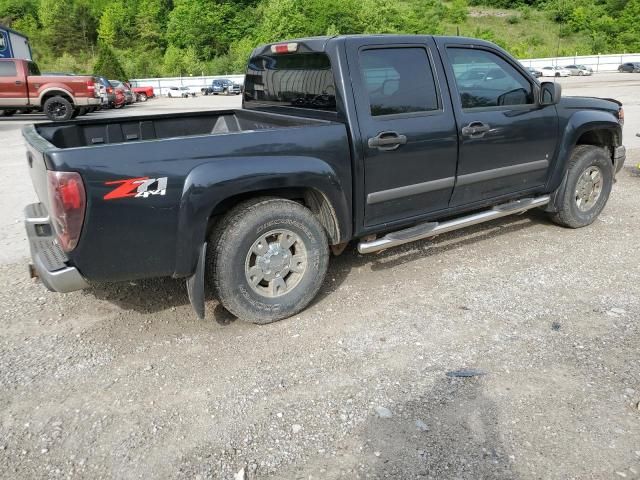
(87, 101)
(619, 156)
(49, 261)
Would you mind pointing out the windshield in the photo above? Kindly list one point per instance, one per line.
(301, 80)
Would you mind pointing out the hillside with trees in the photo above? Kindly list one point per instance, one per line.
(147, 38)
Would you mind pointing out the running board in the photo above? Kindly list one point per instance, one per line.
(431, 229)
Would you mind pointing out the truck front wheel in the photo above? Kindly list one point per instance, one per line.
(268, 258)
(58, 109)
(587, 187)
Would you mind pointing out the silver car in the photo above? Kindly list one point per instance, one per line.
(579, 70)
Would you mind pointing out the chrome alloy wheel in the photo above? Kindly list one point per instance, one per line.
(589, 188)
(276, 263)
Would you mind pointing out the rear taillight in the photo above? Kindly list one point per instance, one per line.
(284, 48)
(91, 87)
(621, 116)
(67, 201)
(109, 90)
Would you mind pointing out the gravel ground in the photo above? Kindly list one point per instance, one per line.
(123, 381)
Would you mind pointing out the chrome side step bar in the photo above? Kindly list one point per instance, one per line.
(431, 229)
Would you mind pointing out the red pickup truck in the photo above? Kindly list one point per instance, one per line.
(143, 93)
(60, 97)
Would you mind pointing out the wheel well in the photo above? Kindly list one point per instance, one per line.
(600, 138)
(56, 93)
(311, 198)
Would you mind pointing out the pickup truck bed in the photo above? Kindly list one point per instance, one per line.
(109, 131)
(191, 152)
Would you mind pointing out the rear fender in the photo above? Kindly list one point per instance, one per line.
(209, 184)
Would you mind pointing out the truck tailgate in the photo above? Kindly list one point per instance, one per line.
(36, 151)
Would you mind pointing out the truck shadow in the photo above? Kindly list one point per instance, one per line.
(341, 266)
(452, 431)
(155, 295)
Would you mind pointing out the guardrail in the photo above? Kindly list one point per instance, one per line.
(599, 63)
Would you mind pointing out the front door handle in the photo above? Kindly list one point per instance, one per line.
(387, 141)
(18, 82)
(475, 129)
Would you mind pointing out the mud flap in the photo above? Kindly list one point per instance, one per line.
(195, 284)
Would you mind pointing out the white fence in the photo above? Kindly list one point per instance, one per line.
(599, 63)
(162, 85)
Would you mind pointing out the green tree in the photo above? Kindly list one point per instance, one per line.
(108, 65)
(115, 25)
(151, 23)
(199, 24)
(59, 26)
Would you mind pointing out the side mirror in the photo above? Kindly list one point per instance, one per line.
(550, 93)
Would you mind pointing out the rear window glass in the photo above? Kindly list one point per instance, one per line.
(33, 69)
(8, 69)
(301, 80)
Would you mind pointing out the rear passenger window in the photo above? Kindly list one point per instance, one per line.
(486, 80)
(398, 80)
(8, 69)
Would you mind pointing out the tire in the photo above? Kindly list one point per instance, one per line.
(579, 203)
(580, 73)
(75, 113)
(557, 74)
(82, 111)
(58, 109)
(234, 254)
(142, 97)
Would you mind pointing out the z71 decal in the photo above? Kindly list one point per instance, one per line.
(140, 187)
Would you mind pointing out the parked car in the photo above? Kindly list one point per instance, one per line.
(22, 87)
(249, 200)
(107, 93)
(180, 92)
(143, 93)
(533, 71)
(128, 94)
(555, 72)
(578, 70)
(118, 91)
(630, 67)
(223, 86)
(584, 67)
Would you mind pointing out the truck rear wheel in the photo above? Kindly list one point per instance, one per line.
(587, 187)
(58, 109)
(268, 258)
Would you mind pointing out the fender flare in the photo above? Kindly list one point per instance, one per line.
(60, 89)
(209, 184)
(580, 123)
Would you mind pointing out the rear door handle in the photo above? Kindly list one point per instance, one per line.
(475, 129)
(387, 141)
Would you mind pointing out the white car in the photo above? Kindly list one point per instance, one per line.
(555, 72)
(177, 92)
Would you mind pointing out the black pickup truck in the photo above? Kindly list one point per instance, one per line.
(377, 138)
